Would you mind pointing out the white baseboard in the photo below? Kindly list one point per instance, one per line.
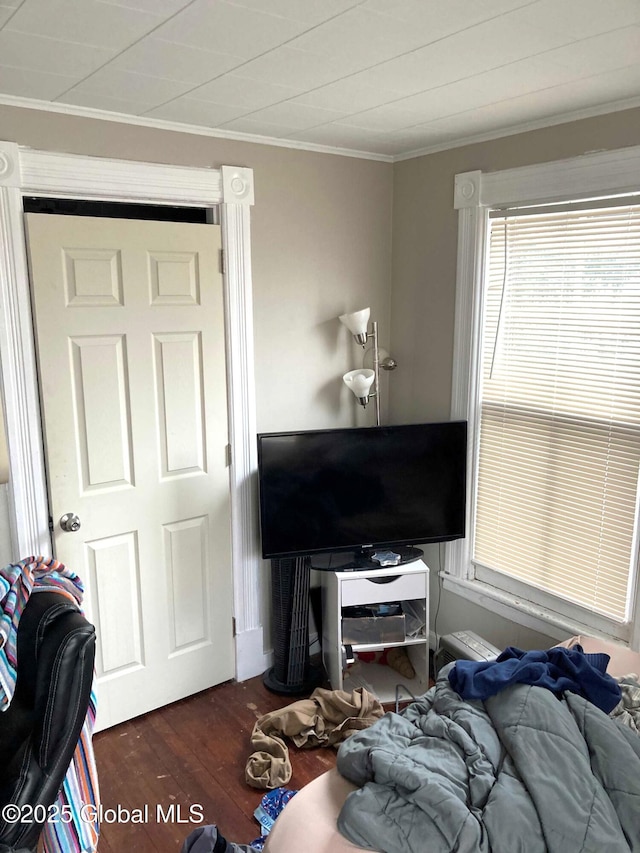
(251, 659)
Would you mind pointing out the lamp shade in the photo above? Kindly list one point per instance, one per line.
(360, 382)
(357, 322)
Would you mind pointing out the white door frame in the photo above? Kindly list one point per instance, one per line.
(229, 189)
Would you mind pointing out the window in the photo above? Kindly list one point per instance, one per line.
(559, 430)
(553, 401)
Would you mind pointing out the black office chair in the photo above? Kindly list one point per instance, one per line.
(39, 731)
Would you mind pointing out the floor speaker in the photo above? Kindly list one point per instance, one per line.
(290, 582)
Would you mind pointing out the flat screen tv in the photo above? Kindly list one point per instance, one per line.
(352, 489)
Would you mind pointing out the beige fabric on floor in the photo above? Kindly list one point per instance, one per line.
(325, 719)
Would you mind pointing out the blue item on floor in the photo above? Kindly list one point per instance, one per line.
(270, 807)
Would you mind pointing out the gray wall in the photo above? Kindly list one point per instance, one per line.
(423, 298)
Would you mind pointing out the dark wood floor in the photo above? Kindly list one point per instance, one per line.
(190, 754)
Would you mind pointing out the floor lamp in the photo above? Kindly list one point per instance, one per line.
(364, 382)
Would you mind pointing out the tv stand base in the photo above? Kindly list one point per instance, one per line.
(313, 677)
(398, 555)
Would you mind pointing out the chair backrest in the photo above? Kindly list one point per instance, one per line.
(40, 729)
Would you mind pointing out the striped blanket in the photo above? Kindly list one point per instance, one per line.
(80, 787)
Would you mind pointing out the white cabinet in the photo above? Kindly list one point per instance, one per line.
(407, 584)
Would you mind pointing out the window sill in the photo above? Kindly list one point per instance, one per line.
(537, 618)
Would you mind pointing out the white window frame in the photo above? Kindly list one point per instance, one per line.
(475, 194)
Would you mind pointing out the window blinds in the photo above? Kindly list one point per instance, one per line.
(559, 445)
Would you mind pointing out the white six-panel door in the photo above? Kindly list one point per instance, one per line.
(131, 359)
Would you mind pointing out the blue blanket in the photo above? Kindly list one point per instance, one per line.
(556, 669)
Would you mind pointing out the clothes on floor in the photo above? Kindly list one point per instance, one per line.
(324, 719)
(207, 839)
(80, 787)
(268, 810)
(557, 669)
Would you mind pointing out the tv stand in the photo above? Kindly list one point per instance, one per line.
(399, 555)
(347, 657)
(360, 560)
(291, 673)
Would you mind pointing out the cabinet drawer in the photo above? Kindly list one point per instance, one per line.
(370, 591)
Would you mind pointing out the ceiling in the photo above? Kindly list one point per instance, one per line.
(384, 78)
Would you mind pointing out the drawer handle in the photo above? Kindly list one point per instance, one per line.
(384, 580)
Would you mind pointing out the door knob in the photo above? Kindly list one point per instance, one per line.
(70, 522)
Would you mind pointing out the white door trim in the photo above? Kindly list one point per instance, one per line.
(27, 172)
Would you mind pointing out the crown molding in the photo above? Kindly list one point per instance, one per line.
(524, 127)
(256, 139)
(194, 129)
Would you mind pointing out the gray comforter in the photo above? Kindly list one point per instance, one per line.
(523, 772)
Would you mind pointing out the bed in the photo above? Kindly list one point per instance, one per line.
(562, 800)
